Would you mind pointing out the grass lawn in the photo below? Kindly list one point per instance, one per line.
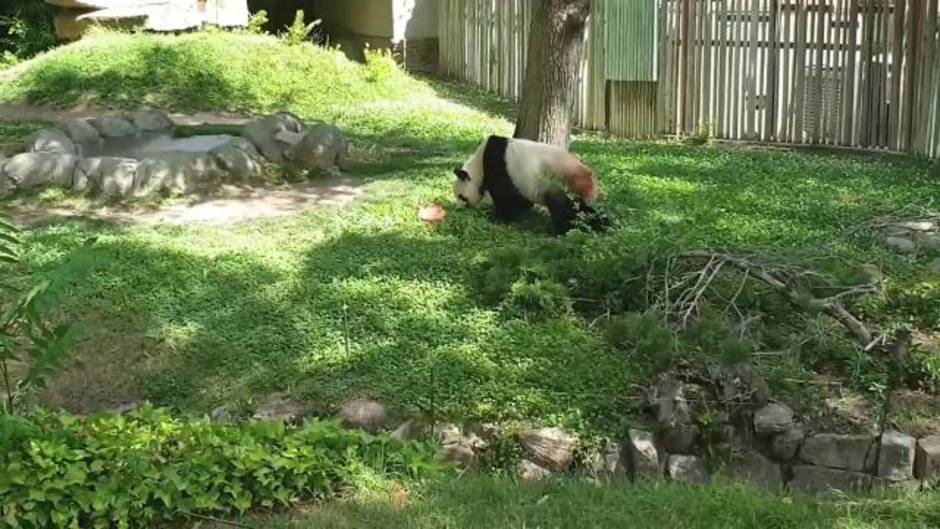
(367, 301)
(482, 503)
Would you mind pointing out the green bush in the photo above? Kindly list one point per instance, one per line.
(25, 30)
(299, 31)
(57, 470)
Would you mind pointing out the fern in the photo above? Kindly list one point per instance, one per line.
(25, 335)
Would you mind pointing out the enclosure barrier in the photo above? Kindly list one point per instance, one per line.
(858, 73)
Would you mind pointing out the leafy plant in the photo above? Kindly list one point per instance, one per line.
(646, 336)
(380, 65)
(257, 21)
(299, 31)
(25, 30)
(25, 335)
(147, 467)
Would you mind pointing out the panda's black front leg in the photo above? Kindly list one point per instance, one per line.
(563, 211)
(510, 209)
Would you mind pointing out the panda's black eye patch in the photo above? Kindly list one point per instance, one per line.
(461, 174)
(462, 198)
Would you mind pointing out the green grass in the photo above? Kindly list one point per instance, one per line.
(482, 503)
(367, 301)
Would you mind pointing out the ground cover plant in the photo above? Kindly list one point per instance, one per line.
(470, 319)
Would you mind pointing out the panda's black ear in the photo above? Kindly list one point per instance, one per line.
(461, 174)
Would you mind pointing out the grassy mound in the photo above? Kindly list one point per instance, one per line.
(472, 319)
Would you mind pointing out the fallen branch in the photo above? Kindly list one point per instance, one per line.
(776, 278)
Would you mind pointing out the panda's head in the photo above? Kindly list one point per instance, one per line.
(468, 179)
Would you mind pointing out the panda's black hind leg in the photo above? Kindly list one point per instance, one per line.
(508, 210)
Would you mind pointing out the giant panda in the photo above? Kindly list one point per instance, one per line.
(518, 173)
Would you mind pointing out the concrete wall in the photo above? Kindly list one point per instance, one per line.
(366, 18)
(415, 19)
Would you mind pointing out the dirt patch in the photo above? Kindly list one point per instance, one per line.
(226, 205)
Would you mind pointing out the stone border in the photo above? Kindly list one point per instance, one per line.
(53, 156)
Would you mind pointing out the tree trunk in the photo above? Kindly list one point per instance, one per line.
(556, 46)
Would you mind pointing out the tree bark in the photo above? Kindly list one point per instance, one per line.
(555, 50)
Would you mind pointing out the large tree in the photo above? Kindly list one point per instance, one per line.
(556, 46)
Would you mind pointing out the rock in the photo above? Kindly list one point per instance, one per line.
(113, 127)
(151, 120)
(773, 418)
(901, 244)
(932, 242)
(785, 445)
(740, 383)
(668, 403)
(686, 469)
(177, 172)
(262, 132)
(323, 147)
(881, 485)
(934, 266)
(114, 177)
(485, 431)
(368, 415)
(529, 471)
(221, 414)
(815, 480)
(239, 159)
(280, 408)
(896, 459)
(552, 448)
(927, 459)
(679, 439)
(445, 432)
(50, 140)
(6, 184)
(609, 464)
(460, 452)
(757, 470)
(917, 225)
(32, 169)
(81, 131)
(407, 431)
(643, 456)
(847, 452)
(123, 408)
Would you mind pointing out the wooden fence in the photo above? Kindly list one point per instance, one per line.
(861, 73)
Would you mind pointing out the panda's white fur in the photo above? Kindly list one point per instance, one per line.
(534, 168)
(518, 174)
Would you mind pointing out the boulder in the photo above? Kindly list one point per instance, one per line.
(680, 439)
(177, 172)
(687, 469)
(263, 133)
(239, 159)
(459, 452)
(113, 177)
(221, 414)
(927, 459)
(529, 471)
(901, 244)
(50, 140)
(757, 470)
(151, 120)
(322, 148)
(668, 403)
(281, 408)
(113, 127)
(785, 445)
(33, 169)
(446, 432)
(643, 456)
(814, 480)
(773, 418)
(552, 448)
(81, 131)
(368, 415)
(609, 463)
(917, 225)
(6, 184)
(848, 452)
(896, 458)
(934, 266)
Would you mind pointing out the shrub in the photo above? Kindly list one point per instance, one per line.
(380, 65)
(299, 31)
(257, 21)
(58, 470)
(25, 30)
